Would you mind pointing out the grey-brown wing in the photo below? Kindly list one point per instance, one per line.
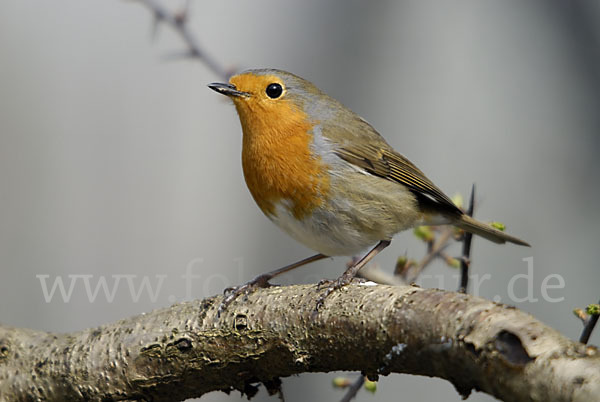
(390, 165)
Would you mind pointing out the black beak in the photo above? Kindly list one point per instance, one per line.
(227, 89)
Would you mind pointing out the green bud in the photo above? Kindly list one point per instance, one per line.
(340, 382)
(453, 262)
(370, 386)
(579, 313)
(593, 309)
(498, 225)
(424, 233)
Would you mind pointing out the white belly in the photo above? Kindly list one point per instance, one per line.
(354, 218)
(322, 231)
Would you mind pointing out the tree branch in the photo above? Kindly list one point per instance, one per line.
(184, 351)
(465, 259)
(178, 21)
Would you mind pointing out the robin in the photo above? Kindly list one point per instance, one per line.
(327, 177)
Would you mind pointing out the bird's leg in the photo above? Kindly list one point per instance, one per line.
(351, 272)
(261, 281)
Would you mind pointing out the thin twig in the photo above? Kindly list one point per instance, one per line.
(373, 272)
(353, 389)
(588, 328)
(434, 251)
(465, 260)
(178, 21)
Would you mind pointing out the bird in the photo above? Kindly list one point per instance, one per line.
(326, 177)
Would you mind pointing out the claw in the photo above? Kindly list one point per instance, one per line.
(227, 291)
(349, 274)
(324, 282)
(333, 286)
(232, 293)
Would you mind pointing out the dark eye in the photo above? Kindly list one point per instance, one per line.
(274, 91)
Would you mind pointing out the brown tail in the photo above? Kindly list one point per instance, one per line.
(484, 230)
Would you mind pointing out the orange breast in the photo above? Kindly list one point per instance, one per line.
(277, 159)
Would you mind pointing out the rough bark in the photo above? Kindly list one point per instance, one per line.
(185, 351)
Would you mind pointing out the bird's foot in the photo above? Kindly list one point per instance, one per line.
(232, 293)
(332, 286)
(324, 282)
(261, 281)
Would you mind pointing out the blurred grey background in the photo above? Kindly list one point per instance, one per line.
(114, 161)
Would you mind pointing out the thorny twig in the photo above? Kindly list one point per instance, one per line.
(353, 389)
(435, 248)
(465, 260)
(178, 21)
(589, 324)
